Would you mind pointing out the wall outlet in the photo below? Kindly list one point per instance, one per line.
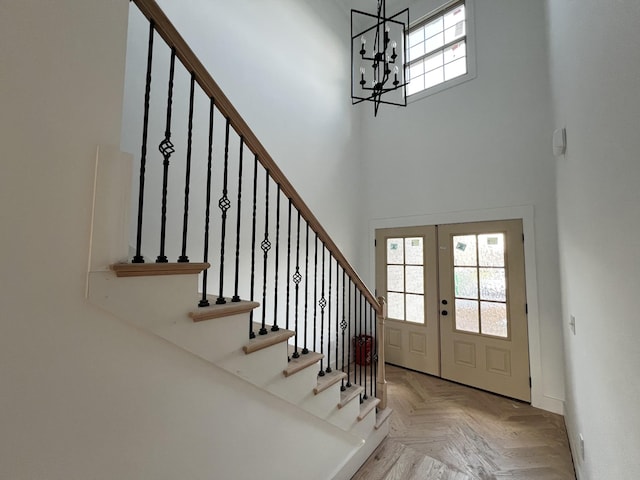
(581, 438)
(572, 324)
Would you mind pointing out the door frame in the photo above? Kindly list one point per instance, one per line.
(526, 214)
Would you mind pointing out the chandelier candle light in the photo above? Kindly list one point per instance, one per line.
(378, 52)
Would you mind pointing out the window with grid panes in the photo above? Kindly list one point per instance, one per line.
(438, 49)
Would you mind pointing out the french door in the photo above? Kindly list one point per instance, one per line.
(456, 303)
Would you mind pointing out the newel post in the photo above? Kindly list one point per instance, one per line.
(382, 379)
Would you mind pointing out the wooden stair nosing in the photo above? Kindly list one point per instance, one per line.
(303, 361)
(154, 269)
(224, 310)
(327, 380)
(349, 394)
(366, 407)
(382, 416)
(270, 338)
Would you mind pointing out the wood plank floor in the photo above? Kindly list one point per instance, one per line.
(444, 431)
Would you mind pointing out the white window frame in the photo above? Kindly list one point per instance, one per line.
(470, 47)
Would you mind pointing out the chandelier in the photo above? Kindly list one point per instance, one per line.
(378, 52)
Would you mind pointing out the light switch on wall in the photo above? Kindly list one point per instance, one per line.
(559, 141)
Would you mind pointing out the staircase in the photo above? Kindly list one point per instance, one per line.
(217, 334)
(274, 307)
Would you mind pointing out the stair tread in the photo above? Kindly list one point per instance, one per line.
(266, 340)
(327, 380)
(382, 416)
(367, 406)
(153, 269)
(303, 361)
(349, 394)
(223, 310)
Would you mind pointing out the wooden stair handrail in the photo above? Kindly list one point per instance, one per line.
(168, 32)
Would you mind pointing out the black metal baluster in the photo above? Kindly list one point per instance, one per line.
(204, 302)
(288, 267)
(265, 246)
(350, 341)
(374, 346)
(374, 357)
(236, 297)
(328, 369)
(367, 346)
(185, 220)
(274, 327)
(253, 242)
(338, 314)
(315, 293)
(323, 304)
(305, 350)
(224, 204)
(297, 278)
(363, 349)
(166, 149)
(138, 258)
(343, 327)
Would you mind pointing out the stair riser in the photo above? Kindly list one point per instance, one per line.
(216, 340)
(139, 300)
(325, 403)
(261, 368)
(345, 417)
(295, 388)
(364, 428)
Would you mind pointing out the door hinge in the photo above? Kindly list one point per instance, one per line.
(526, 308)
(523, 238)
(375, 243)
(530, 382)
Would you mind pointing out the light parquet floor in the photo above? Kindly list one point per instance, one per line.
(444, 431)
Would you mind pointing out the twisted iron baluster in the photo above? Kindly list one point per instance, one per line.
(297, 278)
(328, 369)
(166, 149)
(323, 304)
(204, 302)
(343, 327)
(349, 339)
(253, 242)
(338, 314)
(265, 246)
(315, 293)
(185, 221)
(224, 204)
(236, 297)
(138, 258)
(274, 327)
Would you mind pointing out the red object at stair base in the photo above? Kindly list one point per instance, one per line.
(362, 346)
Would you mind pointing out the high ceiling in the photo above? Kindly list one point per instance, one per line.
(367, 5)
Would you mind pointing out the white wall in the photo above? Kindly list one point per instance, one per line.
(285, 66)
(480, 146)
(595, 65)
(83, 395)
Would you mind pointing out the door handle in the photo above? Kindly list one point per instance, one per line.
(444, 313)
